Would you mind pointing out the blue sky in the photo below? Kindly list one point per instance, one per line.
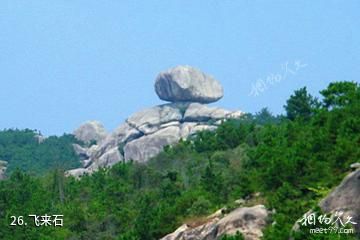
(64, 62)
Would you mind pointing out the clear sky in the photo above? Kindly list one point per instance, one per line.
(63, 62)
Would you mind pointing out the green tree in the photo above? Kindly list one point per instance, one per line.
(300, 105)
(265, 117)
(237, 236)
(339, 94)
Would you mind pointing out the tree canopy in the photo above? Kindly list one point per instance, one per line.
(293, 164)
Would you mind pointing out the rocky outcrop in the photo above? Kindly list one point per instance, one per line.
(355, 166)
(150, 120)
(40, 138)
(144, 134)
(3, 166)
(197, 112)
(108, 159)
(148, 146)
(345, 198)
(90, 131)
(187, 84)
(249, 221)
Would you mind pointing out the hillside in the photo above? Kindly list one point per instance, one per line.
(29, 151)
(287, 163)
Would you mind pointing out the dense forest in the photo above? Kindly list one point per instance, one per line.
(28, 150)
(288, 163)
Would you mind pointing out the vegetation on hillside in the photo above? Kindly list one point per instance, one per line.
(27, 150)
(292, 160)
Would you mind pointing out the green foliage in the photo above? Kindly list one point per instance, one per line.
(238, 236)
(24, 150)
(292, 162)
(339, 94)
(265, 117)
(300, 105)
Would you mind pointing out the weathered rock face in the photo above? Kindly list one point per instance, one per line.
(3, 166)
(148, 146)
(187, 84)
(90, 131)
(249, 221)
(144, 134)
(149, 120)
(197, 112)
(345, 198)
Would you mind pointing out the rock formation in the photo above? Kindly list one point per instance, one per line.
(345, 198)
(144, 134)
(90, 131)
(3, 166)
(187, 84)
(249, 221)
